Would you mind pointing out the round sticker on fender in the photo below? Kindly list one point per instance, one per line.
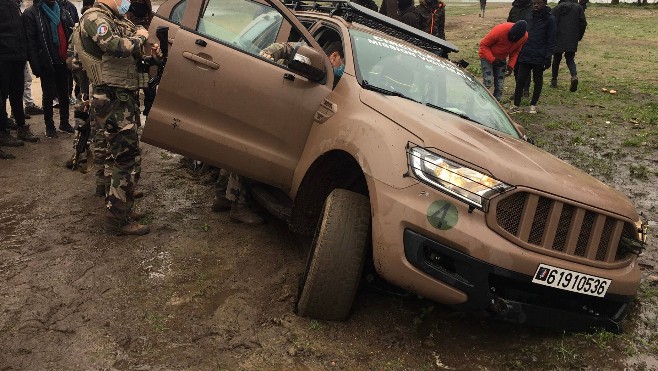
(442, 215)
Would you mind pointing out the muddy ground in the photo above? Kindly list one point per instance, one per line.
(200, 292)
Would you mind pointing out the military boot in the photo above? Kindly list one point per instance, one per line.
(123, 228)
(137, 215)
(8, 140)
(242, 213)
(6, 156)
(25, 134)
(220, 204)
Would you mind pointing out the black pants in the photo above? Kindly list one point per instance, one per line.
(523, 79)
(571, 63)
(56, 85)
(12, 79)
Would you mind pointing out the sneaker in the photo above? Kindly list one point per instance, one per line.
(8, 140)
(11, 124)
(55, 103)
(6, 156)
(241, 213)
(25, 134)
(574, 84)
(554, 83)
(514, 109)
(533, 109)
(33, 109)
(67, 128)
(51, 133)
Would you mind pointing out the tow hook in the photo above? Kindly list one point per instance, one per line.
(500, 306)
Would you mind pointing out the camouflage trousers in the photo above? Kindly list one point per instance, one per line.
(231, 186)
(116, 147)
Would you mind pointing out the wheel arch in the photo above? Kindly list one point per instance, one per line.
(331, 170)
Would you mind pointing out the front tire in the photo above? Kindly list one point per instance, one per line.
(335, 263)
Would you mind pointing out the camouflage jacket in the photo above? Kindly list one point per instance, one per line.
(105, 33)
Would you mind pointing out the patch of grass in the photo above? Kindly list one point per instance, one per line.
(602, 339)
(634, 141)
(647, 292)
(639, 172)
(205, 227)
(315, 325)
(166, 155)
(157, 321)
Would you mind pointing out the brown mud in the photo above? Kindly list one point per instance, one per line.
(200, 292)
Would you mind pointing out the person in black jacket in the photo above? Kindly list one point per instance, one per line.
(536, 53)
(75, 17)
(571, 25)
(432, 17)
(408, 13)
(519, 10)
(390, 8)
(49, 28)
(13, 55)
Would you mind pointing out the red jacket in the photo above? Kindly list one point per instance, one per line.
(495, 45)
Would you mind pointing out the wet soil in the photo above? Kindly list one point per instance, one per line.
(200, 292)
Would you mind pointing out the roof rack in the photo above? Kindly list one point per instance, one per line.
(353, 12)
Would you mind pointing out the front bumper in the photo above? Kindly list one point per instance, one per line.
(510, 295)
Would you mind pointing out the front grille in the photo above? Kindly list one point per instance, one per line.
(554, 227)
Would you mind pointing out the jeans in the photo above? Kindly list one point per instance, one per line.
(571, 63)
(12, 74)
(493, 76)
(27, 87)
(524, 76)
(56, 85)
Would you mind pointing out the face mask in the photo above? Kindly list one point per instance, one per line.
(338, 71)
(123, 8)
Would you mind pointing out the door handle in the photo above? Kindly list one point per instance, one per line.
(197, 59)
(201, 42)
(289, 76)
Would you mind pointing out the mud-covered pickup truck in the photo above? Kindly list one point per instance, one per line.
(405, 160)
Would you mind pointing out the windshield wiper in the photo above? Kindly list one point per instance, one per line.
(462, 115)
(369, 86)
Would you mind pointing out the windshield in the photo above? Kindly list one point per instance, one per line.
(393, 68)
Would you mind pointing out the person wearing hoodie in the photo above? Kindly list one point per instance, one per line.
(535, 56)
(48, 27)
(502, 42)
(408, 13)
(432, 17)
(519, 10)
(571, 24)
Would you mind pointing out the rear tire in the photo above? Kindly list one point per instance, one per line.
(335, 263)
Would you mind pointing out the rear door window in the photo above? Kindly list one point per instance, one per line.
(245, 25)
(178, 11)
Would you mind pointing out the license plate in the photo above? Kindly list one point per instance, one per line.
(565, 279)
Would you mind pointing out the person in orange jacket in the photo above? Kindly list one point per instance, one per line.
(502, 42)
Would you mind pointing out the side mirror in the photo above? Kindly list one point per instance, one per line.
(308, 63)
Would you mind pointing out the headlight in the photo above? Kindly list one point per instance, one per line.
(459, 181)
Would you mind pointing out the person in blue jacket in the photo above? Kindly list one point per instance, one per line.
(535, 56)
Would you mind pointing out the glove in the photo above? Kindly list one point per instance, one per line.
(498, 63)
(547, 63)
(510, 70)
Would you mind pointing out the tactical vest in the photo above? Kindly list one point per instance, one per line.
(103, 69)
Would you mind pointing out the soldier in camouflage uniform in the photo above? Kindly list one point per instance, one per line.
(109, 47)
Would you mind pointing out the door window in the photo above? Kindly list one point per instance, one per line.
(243, 24)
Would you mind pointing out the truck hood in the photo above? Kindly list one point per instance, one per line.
(514, 161)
